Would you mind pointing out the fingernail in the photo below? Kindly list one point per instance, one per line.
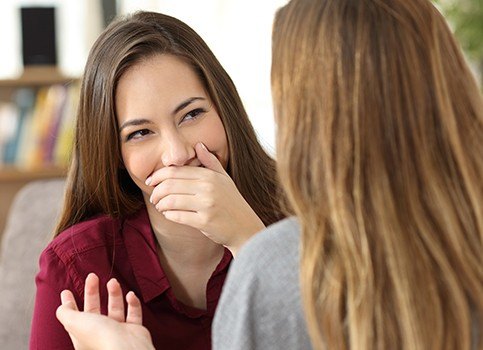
(63, 295)
(112, 283)
(203, 146)
(148, 181)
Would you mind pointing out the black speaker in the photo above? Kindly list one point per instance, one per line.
(38, 36)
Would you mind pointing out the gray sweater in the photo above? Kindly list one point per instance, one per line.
(260, 307)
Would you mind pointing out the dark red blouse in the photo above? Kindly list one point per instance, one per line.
(126, 250)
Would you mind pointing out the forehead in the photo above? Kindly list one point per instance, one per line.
(161, 80)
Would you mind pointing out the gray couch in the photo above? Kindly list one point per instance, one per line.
(29, 227)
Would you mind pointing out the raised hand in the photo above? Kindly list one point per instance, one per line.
(91, 330)
(205, 198)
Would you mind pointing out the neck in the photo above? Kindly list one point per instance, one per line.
(188, 258)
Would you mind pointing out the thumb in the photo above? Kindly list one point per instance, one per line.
(79, 325)
(208, 159)
(66, 313)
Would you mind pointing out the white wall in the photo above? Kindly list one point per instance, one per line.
(78, 23)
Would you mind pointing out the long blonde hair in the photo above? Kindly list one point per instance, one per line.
(380, 151)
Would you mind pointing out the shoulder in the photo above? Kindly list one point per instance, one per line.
(260, 307)
(82, 248)
(82, 237)
(287, 228)
(279, 239)
(271, 255)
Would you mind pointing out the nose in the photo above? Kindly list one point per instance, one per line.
(176, 150)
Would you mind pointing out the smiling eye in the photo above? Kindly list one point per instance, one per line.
(138, 134)
(192, 115)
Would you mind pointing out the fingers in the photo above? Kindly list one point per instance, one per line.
(87, 330)
(115, 303)
(64, 313)
(188, 218)
(134, 309)
(173, 186)
(67, 299)
(92, 301)
(81, 325)
(175, 172)
(208, 159)
(67, 312)
(180, 202)
(68, 304)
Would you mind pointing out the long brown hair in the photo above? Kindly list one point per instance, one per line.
(380, 151)
(97, 182)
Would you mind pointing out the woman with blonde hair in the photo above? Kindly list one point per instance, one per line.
(379, 147)
(380, 152)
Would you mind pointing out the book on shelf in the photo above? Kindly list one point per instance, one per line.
(8, 126)
(36, 127)
(8, 131)
(65, 135)
(24, 100)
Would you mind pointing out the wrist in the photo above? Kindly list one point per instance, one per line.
(245, 236)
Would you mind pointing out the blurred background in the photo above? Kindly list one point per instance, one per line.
(238, 32)
(466, 19)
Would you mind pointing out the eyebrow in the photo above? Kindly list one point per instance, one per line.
(184, 104)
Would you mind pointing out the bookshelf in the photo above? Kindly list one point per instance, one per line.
(37, 76)
(16, 172)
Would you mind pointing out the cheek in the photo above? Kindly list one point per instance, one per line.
(214, 138)
(138, 165)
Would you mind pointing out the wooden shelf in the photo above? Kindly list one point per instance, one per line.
(12, 174)
(12, 178)
(37, 76)
(32, 77)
